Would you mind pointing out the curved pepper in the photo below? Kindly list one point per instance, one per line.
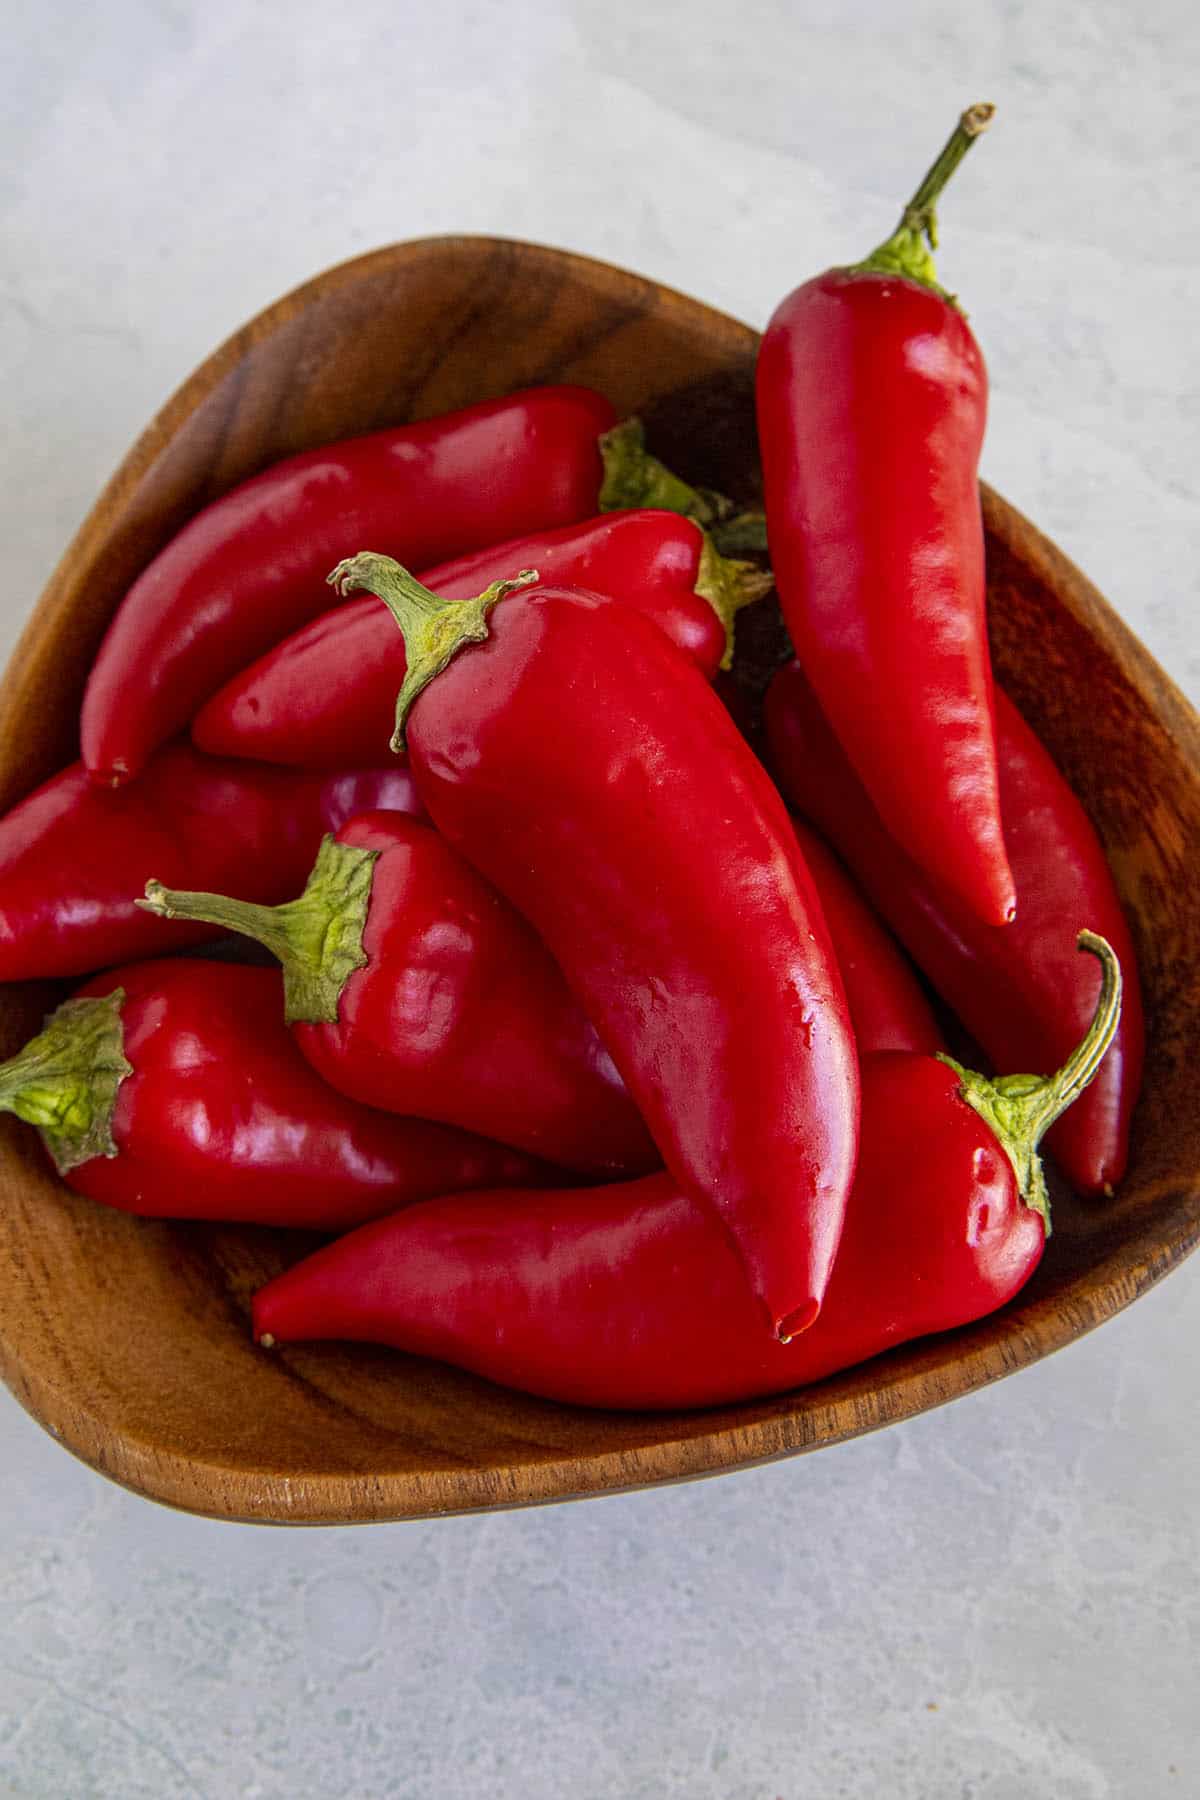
(73, 855)
(411, 985)
(326, 696)
(247, 570)
(173, 1089)
(589, 771)
(1019, 989)
(632, 1296)
(871, 394)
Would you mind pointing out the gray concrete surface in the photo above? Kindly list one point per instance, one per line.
(995, 1602)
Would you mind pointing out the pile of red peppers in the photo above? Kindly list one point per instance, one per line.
(586, 1031)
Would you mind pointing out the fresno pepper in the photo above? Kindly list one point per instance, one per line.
(412, 986)
(632, 1296)
(871, 396)
(248, 569)
(589, 771)
(74, 855)
(325, 697)
(887, 1008)
(1019, 989)
(172, 1089)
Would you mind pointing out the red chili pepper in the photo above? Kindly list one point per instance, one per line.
(631, 1296)
(872, 395)
(412, 986)
(173, 1089)
(887, 1008)
(73, 856)
(326, 696)
(248, 569)
(588, 770)
(1019, 989)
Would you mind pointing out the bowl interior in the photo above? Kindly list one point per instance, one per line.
(129, 1340)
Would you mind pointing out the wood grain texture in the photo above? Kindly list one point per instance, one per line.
(129, 1340)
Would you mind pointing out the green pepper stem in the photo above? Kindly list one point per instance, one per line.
(1020, 1109)
(635, 478)
(65, 1080)
(908, 250)
(741, 532)
(728, 586)
(318, 937)
(434, 629)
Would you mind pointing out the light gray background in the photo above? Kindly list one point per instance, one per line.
(998, 1601)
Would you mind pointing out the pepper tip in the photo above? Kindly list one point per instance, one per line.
(798, 1320)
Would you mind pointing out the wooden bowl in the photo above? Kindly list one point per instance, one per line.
(129, 1340)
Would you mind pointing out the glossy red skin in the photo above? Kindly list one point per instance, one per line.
(223, 1119)
(631, 1296)
(251, 567)
(582, 763)
(872, 397)
(460, 1015)
(1022, 990)
(74, 857)
(887, 1008)
(326, 696)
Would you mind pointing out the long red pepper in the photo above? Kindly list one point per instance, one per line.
(631, 1296)
(887, 1008)
(173, 1089)
(325, 697)
(411, 985)
(248, 569)
(74, 856)
(588, 770)
(1019, 989)
(872, 396)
